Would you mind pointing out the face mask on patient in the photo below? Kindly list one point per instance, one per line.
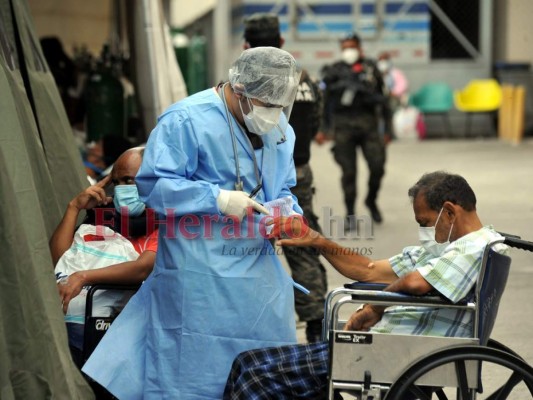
(128, 196)
(428, 241)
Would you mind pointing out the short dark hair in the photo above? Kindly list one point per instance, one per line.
(262, 29)
(439, 187)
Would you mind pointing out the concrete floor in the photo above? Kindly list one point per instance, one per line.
(502, 178)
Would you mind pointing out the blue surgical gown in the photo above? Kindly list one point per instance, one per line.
(218, 287)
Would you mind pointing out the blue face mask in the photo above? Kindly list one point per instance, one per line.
(128, 196)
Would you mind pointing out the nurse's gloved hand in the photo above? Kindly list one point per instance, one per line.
(235, 202)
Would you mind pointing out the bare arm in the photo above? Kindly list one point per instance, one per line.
(63, 236)
(412, 283)
(343, 259)
(351, 264)
(129, 272)
(367, 317)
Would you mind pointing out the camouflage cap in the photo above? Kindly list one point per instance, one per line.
(261, 26)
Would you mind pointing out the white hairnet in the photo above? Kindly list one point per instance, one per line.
(268, 74)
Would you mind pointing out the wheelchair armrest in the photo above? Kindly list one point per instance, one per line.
(394, 298)
(356, 285)
(110, 286)
(377, 288)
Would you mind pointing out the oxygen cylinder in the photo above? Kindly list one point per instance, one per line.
(197, 64)
(105, 104)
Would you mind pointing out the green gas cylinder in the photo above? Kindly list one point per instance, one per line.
(197, 64)
(105, 104)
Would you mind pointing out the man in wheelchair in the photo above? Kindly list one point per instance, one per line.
(448, 260)
(93, 253)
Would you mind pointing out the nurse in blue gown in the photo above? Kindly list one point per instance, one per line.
(218, 287)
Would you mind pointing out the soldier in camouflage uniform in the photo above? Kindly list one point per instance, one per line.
(355, 96)
(262, 29)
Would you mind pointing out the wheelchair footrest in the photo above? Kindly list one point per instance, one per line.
(374, 392)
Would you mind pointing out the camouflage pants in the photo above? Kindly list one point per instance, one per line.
(304, 263)
(351, 133)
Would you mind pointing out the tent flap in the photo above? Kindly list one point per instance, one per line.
(39, 171)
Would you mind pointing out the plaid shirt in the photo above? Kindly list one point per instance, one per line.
(453, 274)
(300, 371)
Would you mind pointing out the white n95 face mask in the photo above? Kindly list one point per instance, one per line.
(261, 120)
(384, 66)
(426, 235)
(350, 56)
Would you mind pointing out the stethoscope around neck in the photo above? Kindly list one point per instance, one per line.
(238, 183)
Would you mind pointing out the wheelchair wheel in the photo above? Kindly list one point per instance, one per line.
(503, 376)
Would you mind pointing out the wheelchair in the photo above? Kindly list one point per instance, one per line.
(96, 326)
(375, 366)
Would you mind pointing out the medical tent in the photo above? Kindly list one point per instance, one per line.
(40, 171)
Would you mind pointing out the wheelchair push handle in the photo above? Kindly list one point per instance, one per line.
(519, 243)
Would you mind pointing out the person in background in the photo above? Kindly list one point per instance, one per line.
(62, 68)
(99, 156)
(93, 161)
(142, 244)
(262, 29)
(395, 80)
(355, 96)
(218, 286)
